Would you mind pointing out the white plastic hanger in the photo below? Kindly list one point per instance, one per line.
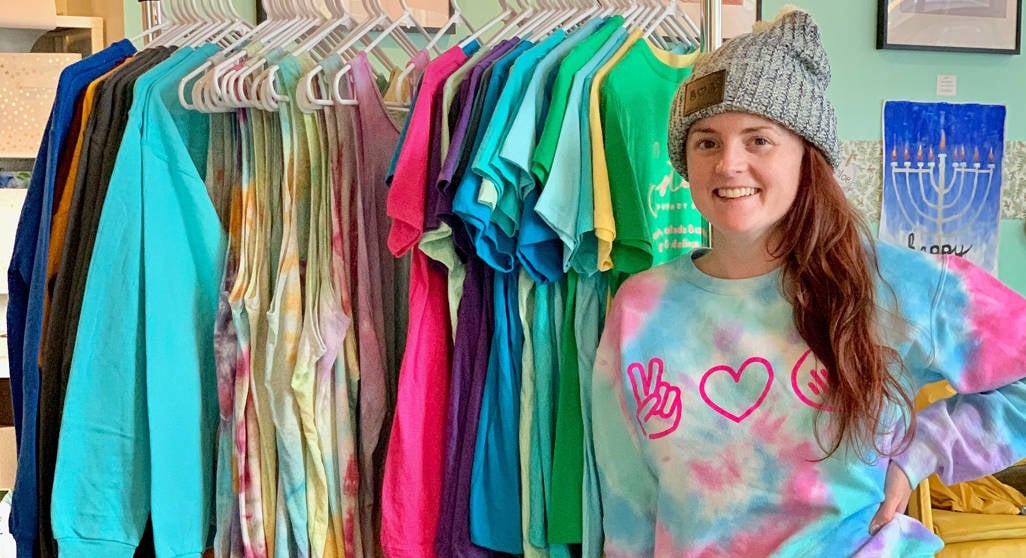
(266, 94)
(204, 88)
(611, 8)
(336, 82)
(667, 23)
(306, 98)
(167, 22)
(456, 18)
(556, 15)
(430, 41)
(331, 31)
(503, 17)
(240, 91)
(681, 15)
(214, 79)
(298, 17)
(205, 25)
(228, 25)
(183, 24)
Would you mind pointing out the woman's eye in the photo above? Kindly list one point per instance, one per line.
(760, 141)
(705, 144)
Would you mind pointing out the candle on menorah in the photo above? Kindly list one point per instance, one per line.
(946, 192)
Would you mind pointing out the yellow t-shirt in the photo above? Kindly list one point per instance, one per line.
(605, 226)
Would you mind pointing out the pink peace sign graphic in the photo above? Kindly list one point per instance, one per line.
(658, 403)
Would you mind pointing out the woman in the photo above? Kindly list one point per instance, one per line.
(755, 399)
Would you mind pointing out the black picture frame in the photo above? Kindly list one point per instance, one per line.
(982, 26)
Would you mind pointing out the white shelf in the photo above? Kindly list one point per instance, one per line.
(18, 155)
(94, 24)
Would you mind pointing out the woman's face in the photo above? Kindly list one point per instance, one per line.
(743, 172)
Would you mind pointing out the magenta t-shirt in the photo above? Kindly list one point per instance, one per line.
(409, 185)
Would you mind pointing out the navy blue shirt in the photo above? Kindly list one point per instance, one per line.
(27, 280)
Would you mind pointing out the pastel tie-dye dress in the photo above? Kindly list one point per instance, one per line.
(705, 399)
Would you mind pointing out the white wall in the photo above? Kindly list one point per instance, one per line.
(10, 208)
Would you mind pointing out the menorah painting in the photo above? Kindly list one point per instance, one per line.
(942, 178)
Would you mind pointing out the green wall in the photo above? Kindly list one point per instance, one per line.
(864, 77)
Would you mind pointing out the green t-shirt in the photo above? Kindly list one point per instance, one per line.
(656, 220)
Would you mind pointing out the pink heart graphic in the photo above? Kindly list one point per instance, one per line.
(736, 376)
(815, 382)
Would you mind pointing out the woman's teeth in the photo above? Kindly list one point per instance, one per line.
(735, 192)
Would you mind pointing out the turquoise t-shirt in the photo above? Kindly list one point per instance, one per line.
(495, 480)
(546, 340)
(557, 205)
(559, 95)
(539, 250)
(589, 318)
(493, 245)
(496, 172)
(566, 198)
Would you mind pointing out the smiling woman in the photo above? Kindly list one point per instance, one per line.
(781, 423)
(744, 172)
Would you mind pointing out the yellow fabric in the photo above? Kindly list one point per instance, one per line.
(673, 59)
(1003, 548)
(400, 91)
(605, 226)
(956, 527)
(310, 346)
(986, 495)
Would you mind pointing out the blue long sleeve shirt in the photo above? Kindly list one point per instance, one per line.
(27, 283)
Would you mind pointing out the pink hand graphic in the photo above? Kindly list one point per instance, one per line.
(810, 381)
(659, 403)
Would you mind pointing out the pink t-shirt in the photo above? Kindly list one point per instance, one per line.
(409, 185)
(412, 486)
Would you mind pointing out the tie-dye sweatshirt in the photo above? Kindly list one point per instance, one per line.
(705, 400)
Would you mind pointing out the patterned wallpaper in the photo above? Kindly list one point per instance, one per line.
(861, 175)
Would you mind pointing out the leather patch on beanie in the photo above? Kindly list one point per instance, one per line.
(705, 91)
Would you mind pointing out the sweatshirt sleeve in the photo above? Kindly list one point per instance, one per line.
(101, 481)
(627, 487)
(978, 344)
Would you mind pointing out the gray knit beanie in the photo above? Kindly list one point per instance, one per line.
(779, 72)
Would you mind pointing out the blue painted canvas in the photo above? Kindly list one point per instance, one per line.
(942, 178)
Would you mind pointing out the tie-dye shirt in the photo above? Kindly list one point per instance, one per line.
(705, 398)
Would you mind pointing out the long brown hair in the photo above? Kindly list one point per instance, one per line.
(830, 264)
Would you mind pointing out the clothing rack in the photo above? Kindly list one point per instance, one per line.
(712, 30)
(152, 16)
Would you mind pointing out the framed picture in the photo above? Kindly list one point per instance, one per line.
(738, 15)
(991, 26)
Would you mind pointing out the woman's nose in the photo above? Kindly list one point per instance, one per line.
(732, 159)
